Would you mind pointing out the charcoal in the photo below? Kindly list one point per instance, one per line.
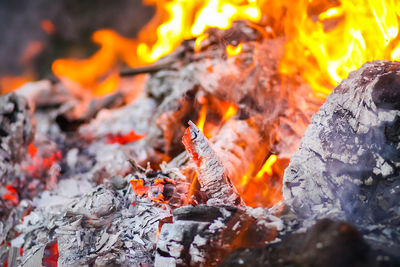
(202, 235)
(348, 164)
(327, 243)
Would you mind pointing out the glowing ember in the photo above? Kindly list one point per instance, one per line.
(50, 256)
(12, 195)
(32, 150)
(187, 141)
(40, 163)
(156, 190)
(138, 186)
(124, 139)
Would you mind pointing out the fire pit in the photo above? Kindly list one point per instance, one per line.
(211, 140)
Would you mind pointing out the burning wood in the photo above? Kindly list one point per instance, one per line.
(74, 191)
(213, 177)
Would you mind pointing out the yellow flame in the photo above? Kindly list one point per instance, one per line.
(199, 40)
(190, 18)
(202, 117)
(342, 39)
(267, 167)
(233, 50)
(230, 112)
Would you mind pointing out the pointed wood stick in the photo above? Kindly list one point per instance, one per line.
(213, 177)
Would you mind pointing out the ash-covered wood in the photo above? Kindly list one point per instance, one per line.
(202, 235)
(213, 177)
(16, 130)
(239, 159)
(16, 133)
(348, 163)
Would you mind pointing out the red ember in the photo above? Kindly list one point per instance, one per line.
(123, 139)
(50, 256)
(12, 196)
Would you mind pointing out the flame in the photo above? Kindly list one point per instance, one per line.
(233, 50)
(175, 21)
(11, 82)
(325, 39)
(263, 188)
(199, 40)
(87, 72)
(202, 117)
(326, 47)
(230, 112)
(190, 18)
(267, 167)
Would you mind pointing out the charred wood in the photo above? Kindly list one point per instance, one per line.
(327, 243)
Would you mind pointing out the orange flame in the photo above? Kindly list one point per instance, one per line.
(10, 82)
(264, 187)
(175, 20)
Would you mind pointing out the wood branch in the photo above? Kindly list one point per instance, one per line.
(146, 69)
(213, 177)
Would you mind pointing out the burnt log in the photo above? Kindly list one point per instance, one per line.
(327, 243)
(348, 164)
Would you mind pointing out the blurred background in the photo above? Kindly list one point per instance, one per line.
(33, 33)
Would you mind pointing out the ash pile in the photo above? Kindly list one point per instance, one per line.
(177, 171)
